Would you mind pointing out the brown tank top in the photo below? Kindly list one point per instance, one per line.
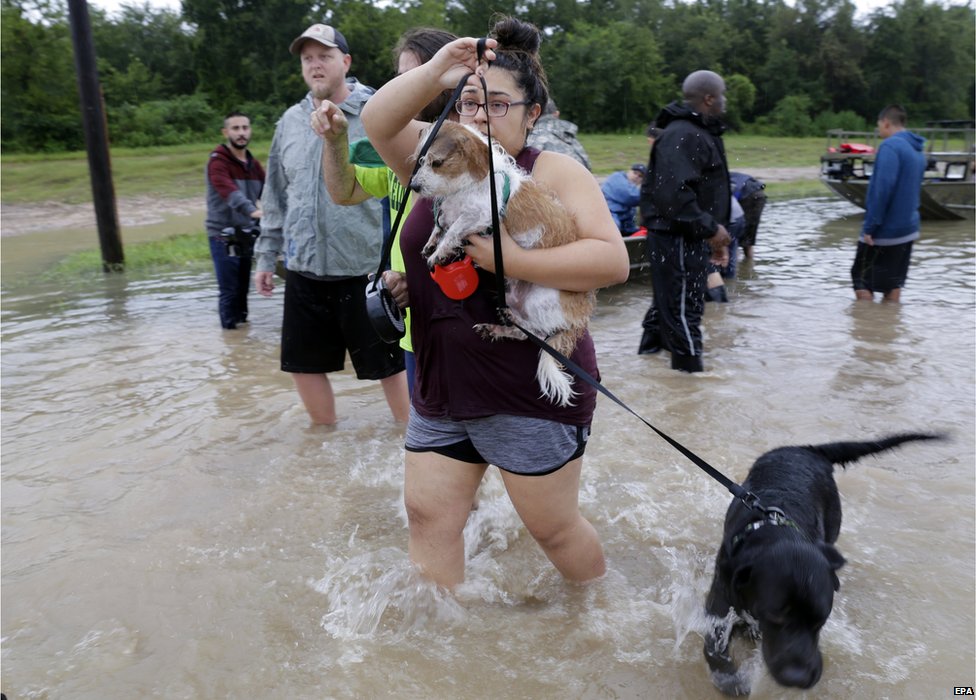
(460, 375)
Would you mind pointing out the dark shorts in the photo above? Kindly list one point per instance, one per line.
(324, 319)
(881, 268)
(527, 446)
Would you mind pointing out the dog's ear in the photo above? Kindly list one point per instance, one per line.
(835, 559)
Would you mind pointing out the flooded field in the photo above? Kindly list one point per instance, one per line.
(173, 527)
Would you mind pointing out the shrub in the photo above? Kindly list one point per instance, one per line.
(791, 117)
(183, 119)
(847, 120)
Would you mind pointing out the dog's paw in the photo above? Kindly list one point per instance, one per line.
(495, 331)
(734, 684)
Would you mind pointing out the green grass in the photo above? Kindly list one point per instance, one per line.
(184, 252)
(177, 171)
(166, 171)
(610, 152)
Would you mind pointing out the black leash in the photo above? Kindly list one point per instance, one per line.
(384, 314)
(747, 497)
(388, 244)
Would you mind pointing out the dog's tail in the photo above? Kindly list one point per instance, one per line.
(846, 452)
(555, 380)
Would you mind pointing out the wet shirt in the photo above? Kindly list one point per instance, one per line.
(686, 191)
(891, 210)
(460, 375)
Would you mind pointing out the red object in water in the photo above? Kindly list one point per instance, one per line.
(855, 148)
(458, 279)
(639, 233)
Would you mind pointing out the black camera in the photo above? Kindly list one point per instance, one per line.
(240, 241)
(384, 314)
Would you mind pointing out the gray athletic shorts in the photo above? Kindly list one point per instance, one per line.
(528, 446)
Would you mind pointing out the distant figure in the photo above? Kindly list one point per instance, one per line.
(551, 133)
(751, 194)
(622, 192)
(891, 219)
(685, 202)
(329, 249)
(235, 180)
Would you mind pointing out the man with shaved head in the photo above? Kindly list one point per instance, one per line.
(685, 205)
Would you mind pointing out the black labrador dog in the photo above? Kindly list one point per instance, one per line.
(777, 566)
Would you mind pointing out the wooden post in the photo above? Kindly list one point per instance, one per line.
(96, 138)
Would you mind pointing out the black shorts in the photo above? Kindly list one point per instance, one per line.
(881, 268)
(324, 319)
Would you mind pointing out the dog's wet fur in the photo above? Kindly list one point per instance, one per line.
(779, 573)
(454, 172)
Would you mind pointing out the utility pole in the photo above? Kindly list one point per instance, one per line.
(96, 138)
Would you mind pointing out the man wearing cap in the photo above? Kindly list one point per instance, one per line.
(622, 192)
(328, 249)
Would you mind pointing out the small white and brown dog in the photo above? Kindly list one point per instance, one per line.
(454, 172)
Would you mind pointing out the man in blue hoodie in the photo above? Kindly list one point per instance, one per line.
(891, 219)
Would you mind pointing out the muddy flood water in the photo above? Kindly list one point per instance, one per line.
(172, 527)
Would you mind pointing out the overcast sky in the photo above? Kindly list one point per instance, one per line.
(111, 5)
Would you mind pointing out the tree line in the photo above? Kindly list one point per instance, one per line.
(792, 69)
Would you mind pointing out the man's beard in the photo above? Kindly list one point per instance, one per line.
(323, 92)
(240, 143)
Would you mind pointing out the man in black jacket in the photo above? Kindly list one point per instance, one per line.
(685, 203)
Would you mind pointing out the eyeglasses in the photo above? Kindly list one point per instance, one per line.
(469, 108)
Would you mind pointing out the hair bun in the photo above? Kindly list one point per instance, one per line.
(515, 35)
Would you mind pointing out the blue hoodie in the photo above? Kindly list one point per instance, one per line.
(894, 190)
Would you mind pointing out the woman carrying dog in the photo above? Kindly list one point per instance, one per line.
(476, 402)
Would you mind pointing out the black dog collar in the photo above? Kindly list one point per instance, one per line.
(773, 516)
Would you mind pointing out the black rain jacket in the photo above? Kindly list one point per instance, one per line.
(686, 191)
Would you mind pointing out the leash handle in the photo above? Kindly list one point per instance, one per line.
(388, 244)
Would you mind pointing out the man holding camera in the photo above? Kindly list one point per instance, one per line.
(234, 183)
